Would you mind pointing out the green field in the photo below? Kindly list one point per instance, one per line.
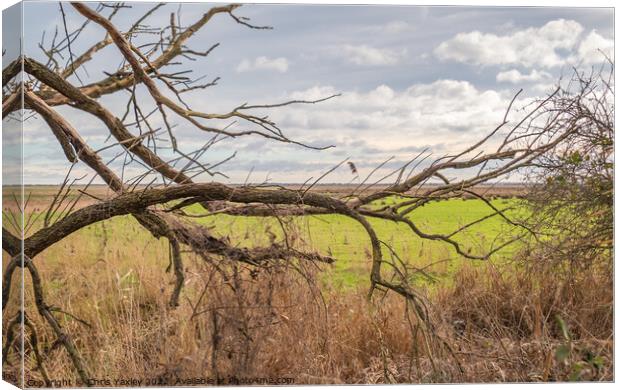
(338, 236)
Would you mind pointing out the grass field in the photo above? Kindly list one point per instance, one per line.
(334, 235)
(112, 276)
(346, 241)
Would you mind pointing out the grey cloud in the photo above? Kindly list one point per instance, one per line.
(402, 103)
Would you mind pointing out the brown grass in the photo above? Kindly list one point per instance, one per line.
(527, 321)
(501, 326)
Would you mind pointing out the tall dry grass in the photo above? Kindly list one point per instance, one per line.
(497, 323)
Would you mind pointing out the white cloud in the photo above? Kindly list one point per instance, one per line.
(544, 88)
(529, 47)
(594, 48)
(370, 126)
(279, 64)
(368, 55)
(443, 112)
(515, 77)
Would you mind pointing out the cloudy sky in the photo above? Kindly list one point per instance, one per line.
(411, 78)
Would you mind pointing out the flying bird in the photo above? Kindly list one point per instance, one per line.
(352, 167)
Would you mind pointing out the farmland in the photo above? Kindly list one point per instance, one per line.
(112, 277)
(337, 236)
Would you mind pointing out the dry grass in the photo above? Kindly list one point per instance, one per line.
(526, 321)
(501, 326)
(514, 325)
